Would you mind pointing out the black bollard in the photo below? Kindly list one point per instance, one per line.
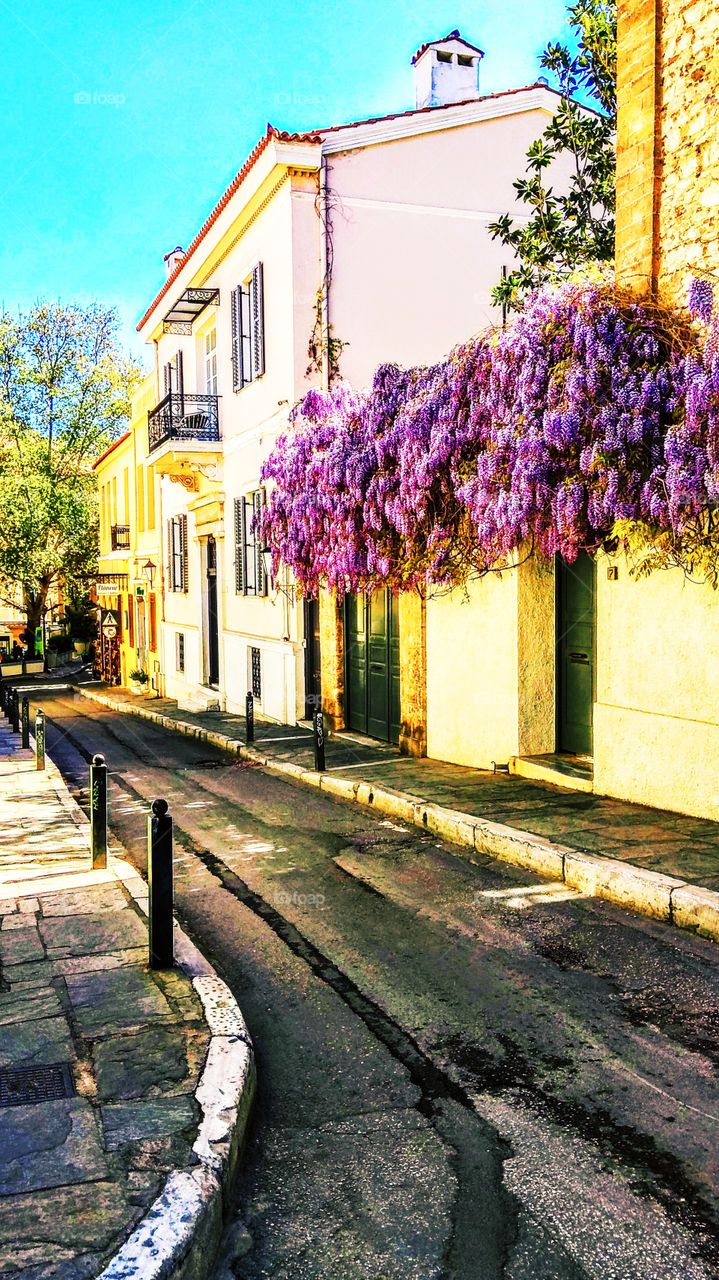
(249, 719)
(15, 711)
(318, 733)
(40, 739)
(159, 876)
(3, 693)
(25, 722)
(98, 813)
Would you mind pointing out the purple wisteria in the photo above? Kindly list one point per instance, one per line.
(587, 411)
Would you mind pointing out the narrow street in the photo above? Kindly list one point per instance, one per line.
(464, 1072)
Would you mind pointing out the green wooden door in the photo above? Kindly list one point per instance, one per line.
(356, 662)
(372, 665)
(575, 654)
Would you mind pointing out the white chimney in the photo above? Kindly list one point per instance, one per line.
(446, 71)
(172, 258)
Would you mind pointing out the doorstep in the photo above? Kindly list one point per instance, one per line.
(575, 773)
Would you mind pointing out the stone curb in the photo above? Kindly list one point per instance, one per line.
(650, 893)
(179, 1235)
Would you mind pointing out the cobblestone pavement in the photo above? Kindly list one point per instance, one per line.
(124, 1046)
(465, 1072)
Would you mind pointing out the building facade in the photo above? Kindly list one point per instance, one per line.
(130, 570)
(354, 245)
(585, 675)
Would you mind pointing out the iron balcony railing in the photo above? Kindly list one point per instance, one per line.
(120, 537)
(183, 417)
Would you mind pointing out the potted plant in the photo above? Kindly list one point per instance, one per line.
(139, 680)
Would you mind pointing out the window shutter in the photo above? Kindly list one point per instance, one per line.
(185, 558)
(258, 322)
(239, 546)
(236, 340)
(131, 621)
(170, 560)
(153, 623)
(180, 375)
(258, 502)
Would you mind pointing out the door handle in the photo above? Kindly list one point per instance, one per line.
(579, 657)
(376, 667)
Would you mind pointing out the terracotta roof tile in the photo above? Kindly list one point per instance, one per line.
(451, 35)
(120, 439)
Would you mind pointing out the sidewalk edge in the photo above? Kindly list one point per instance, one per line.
(179, 1234)
(650, 893)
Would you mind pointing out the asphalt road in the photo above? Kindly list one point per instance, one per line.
(464, 1072)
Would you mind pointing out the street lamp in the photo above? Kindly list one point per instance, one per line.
(266, 554)
(148, 569)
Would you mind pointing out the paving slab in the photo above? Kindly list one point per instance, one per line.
(78, 1173)
(91, 933)
(65, 1148)
(126, 1122)
(109, 1000)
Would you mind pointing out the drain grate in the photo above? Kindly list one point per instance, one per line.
(22, 1085)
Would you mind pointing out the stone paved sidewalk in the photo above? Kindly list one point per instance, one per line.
(77, 1172)
(656, 840)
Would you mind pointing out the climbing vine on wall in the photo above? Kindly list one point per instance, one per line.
(593, 418)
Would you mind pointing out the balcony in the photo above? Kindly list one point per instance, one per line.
(120, 537)
(183, 418)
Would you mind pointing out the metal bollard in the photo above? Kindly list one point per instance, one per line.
(25, 722)
(40, 739)
(318, 733)
(160, 880)
(98, 813)
(249, 718)
(15, 711)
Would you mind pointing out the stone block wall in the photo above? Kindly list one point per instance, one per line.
(667, 144)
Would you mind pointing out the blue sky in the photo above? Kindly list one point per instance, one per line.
(123, 122)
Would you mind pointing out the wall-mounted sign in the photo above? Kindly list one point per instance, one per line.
(109, 624)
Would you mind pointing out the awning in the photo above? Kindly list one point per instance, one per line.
(189, 305)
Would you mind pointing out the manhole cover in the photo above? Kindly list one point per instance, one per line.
(22, 1085)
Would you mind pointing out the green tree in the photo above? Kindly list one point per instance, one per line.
(65, 387)
(570, 229)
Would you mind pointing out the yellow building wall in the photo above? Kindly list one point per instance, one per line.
(490, 668)
(656, 718)
(127, 497)
(472, 673)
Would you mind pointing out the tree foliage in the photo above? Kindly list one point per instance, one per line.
(569, 228)
(65, 386)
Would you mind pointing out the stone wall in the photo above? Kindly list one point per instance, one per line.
(332, 650)
(667, 144)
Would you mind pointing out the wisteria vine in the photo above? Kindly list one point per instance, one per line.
(591, 416)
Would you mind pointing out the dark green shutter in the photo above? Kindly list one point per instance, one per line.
(258, 322)
(240, 546)
(185, 556)
(258, 502)
(236, 339)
